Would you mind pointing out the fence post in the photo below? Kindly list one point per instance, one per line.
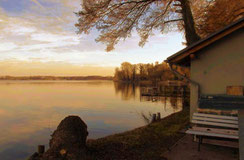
(41, 149)
(153, 117)
(158, 116)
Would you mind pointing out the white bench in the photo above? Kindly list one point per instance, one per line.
(209, 125)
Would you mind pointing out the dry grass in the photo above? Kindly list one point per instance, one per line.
(145, 143)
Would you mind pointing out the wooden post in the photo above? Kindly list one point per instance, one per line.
(158, 116)
(41, 149)
(184, 97)
(184, 91)
(153, 117)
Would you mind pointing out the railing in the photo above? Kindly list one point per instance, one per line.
(166, 91)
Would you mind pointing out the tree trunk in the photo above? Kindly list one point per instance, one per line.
(189, 25)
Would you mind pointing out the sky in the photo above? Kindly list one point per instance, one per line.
(38, 37)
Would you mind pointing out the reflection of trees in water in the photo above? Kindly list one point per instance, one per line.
(127, 90)
(132, 91)
(147, 118)
(174, 101)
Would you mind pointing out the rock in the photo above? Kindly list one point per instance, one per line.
(68, 140)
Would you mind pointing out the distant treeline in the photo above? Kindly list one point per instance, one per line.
(147, 72)
(56, 78)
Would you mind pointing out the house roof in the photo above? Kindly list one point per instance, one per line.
(183, 57)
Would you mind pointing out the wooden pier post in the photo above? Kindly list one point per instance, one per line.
(41, 149)
(154, 117)
(158, 116)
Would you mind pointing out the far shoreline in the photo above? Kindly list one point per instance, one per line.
(54, 78)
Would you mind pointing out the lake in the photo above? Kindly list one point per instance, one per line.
(31, 110)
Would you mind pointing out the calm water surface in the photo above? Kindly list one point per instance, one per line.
(31, 110)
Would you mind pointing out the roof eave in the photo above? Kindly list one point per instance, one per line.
(181, 57)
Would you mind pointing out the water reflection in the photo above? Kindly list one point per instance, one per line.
(165, 95)
(31, 110)
(160, 94)
(127, 90)
(147, 118)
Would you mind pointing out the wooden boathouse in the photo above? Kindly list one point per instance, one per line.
(217, 74)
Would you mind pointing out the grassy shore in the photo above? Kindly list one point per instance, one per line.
(145, 143)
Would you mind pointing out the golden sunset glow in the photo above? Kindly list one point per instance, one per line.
(42, 105)
(40, 38)
(33, 68)
(129, 79)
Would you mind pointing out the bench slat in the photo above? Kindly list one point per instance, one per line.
(215, 124)
(214, 120)
(215, 116)
(201, 133)
(215, 130)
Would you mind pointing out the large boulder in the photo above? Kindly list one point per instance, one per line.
(68, 140)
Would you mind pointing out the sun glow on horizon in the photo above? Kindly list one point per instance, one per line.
(38, 39)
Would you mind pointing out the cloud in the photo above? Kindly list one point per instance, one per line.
(36, 2)
(20, 35)
(7, 46)
(50, 37)
(20, 30)
(35, 33)
(49, 41)
(44, 8)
